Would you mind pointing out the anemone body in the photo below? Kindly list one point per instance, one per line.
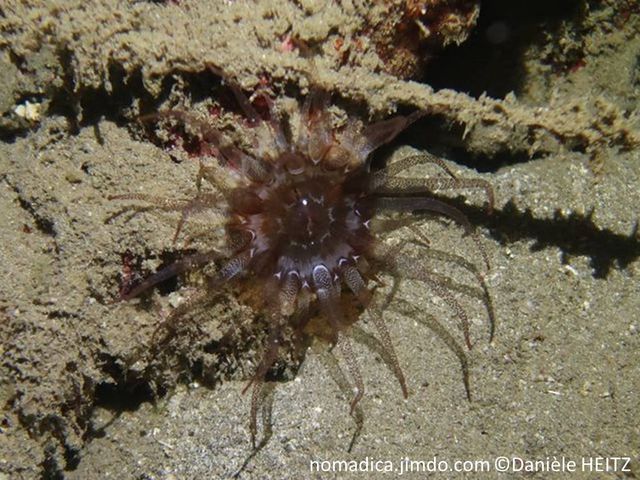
(299, 226)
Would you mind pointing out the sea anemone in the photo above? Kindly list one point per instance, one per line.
(303, 214)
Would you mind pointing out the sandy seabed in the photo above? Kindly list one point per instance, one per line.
(561, 379)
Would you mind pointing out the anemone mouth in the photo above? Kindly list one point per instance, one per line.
(297, 222)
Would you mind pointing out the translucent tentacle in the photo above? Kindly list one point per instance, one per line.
(409, 267)
(315, 135)
(329, 298)
(280, 141)
(256, 394)
(407, 162)
(176, 268)
(245, 104)
(356, 283)
(347, 352)
(200, 297)
(482, 294)
(228, 153)
(428, 185)
(383, 331)
(410, 204)
(432, 205)
(273, 343)
(268, 359)
(167, 204)
(187, 207)
(289, 293)
(410, 310)
(234, 267)
(377, 134)
(250, 166)
(330, 361)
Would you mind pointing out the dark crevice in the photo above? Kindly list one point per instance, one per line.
(64, 101)
(61, 314)
(126, 98)
(57, 426)
(434, 134)
(124, 396)
(492, 58)
(126, 391)
(72, 458)
(485, 163)
(167, 258)
(45, 225)
(50, 468)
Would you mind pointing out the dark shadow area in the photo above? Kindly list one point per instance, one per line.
(575, 235)
(50, 468)
(492, 58)
(484, 163)
(123, 397)
(126, 392)
(43, 224)
(441, 138)
(88, 106)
